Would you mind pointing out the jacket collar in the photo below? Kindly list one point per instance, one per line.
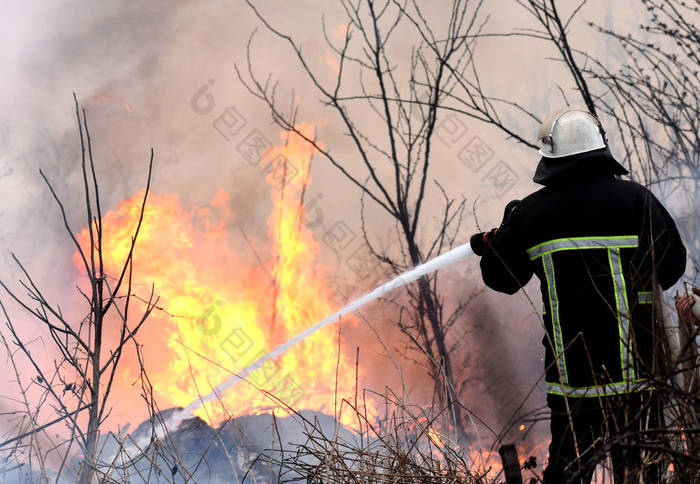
(551, 171)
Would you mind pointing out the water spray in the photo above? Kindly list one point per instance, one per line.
(407, 277)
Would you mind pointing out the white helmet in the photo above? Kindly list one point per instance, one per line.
(570, 131)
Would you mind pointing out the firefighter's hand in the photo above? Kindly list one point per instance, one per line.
(479, 241)
(688, 307)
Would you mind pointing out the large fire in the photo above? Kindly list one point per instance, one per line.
(221, 309)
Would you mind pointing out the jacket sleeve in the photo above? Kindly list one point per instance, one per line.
(505, 265)
(664, 242)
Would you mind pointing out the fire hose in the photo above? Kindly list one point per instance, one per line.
(407, 277)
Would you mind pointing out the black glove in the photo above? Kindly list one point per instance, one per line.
(479, 241)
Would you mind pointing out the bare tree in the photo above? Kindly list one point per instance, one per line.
(391, 165)
(80, 378)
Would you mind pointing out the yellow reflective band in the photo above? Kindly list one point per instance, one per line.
(577, 243)
(645, 297)
(622, 313)
(554, 310)
(618, 388)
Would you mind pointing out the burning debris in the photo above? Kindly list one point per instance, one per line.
(302, 447)
(238, 449)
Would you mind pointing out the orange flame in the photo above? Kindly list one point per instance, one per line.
(223, 306)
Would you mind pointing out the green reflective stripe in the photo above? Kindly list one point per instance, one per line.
(572, 243)
(554, 311)
(601, 390)
(622, 310)
(645, 297)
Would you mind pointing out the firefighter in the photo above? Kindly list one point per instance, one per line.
(597, 243)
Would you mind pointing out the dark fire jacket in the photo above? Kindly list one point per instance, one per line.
(596, 243)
